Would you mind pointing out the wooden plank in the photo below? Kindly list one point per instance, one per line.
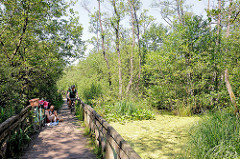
(13, 122)
(8, 130)
(102, 142)
(26, 110)
(122, 154)
(113, 144)
(24, 116)
(12, 119)
(8, 123)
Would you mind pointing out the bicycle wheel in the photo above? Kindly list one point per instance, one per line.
(74, 110)
(71, 109)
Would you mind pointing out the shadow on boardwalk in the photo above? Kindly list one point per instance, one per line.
(65, 140)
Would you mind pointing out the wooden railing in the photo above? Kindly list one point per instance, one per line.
(112, 144)
(13, 124)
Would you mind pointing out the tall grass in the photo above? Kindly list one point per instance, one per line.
(216, 136)
(126, 110)
(79, 111)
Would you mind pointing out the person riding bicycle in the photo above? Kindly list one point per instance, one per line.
(72, 94)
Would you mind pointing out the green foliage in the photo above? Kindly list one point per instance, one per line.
(79, 111)
(36, 43)
(123, 111)
(58, 101)
(186, 74)
(181, 67)
(18, 141)
(91, 93)
(215, 136)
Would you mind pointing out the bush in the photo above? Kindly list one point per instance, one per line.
(58, 101)
(216, 136)
(79, 111)
(94, 91)
(18, 141)
(125, 110)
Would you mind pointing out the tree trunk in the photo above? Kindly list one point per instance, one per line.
(216, 71)
(139, 48)
(209, 25)
(189, 75)
(229, 17)
(230, 92)
(218, 23)
(103, 45)
(133, 46)
(118, 47)
(178, 11)
(97, 39)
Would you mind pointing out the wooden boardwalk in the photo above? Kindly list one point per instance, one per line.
(65, 140)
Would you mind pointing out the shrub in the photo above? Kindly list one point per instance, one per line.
(94, 91)
(18, 142)
(79, 111)
(125, 110)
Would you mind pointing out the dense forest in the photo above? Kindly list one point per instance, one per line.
(139, 67)
(36, 43)
(179, 67)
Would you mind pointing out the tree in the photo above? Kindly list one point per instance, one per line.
(115, 22)
(133, 45)
(36, 43)
(103, 44)
(229, 18)
(170, 9)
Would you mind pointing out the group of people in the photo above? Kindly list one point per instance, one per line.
(50, 113)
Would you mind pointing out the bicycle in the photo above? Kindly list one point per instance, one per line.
(39, 118)
(42, 116)
(72, 106)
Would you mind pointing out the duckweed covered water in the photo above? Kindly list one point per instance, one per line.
(164, 137)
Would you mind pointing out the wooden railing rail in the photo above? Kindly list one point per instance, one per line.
(11, 125)
(112, 144)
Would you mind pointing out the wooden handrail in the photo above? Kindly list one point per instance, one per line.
(112, 144)
(10, 125)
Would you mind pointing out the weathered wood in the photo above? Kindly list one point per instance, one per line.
(13, 119)
(113, 145)
(9, 130)
(24, 117)
(10, 125)
(8, 122)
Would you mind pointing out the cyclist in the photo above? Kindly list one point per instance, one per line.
(72, 94)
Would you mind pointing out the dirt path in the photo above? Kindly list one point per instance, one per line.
(65, 140)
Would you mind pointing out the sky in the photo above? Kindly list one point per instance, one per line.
(198, 7)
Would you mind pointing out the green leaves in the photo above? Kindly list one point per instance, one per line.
(36, 42)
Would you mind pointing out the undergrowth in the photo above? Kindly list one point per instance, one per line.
(216, 136)
(124, 110)
(79, 111)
